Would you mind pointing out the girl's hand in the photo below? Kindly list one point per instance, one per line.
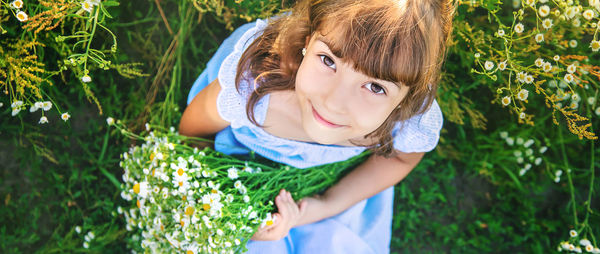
(288, 216)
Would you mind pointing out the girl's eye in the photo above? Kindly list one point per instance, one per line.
(375, 88)
(327, 61)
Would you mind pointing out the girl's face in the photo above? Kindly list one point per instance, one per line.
(338, 103)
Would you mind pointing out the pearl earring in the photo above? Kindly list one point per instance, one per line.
(303, 51)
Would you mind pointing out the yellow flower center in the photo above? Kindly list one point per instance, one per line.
(152, 156)
(183, 198)
(206, 207)
(182, 223)
(139, 205)
(21, 16)
(214, 191)
(180, 184)
(269, 223)
(136, 188)
(18, 4)
(153, 171)
(189, 210)
(180, 172)
(189, 252)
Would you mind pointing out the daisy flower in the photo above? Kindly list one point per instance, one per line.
(232, 173)
(43, 120)
(269, 220)
(573, 43)
(595, 45)
(556, 57)
(519, 28)
(110, 121)
(489, 65)
(573, 233)
(537, 161)
(589, 14)
(544, 11)
(522, 115)
(585, 242)
(528, 79)
(17, 4)
(142, 189)
(65, 116)
(501, 33)
(539, 38)
(591, 100)
(521, 76)
(87, 6)
(86, 78)
(47, 105)
(539, 62)
(569, 78)
(22, 16)
(502, 65)
(547, 67)
(523, 94)
(547, 23)
(505, 101)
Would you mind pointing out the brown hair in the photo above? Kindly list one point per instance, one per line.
(396, 40)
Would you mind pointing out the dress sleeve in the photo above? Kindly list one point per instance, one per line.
(231, 103)
(420, 133)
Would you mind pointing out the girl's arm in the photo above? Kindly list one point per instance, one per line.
(373, 176)
(201, 117)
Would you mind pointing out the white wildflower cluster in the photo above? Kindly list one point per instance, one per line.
(43, 106)
(19, 14)
(574, 246)
(524, 151)
(184, 205)
(87, 238)
(88, 6)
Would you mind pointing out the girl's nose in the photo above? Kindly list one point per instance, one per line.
(336, 98)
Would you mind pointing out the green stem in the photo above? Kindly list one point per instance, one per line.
(571, 188)
(89, 41)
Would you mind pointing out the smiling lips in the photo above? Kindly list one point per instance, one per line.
(322, 120)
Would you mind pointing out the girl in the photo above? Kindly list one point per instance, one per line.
(319, 85)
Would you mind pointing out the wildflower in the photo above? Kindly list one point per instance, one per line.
(539, 62)
(521, 76)
(78, 229)
(547, 23)
(86, 245)
(578, 249)
(502, 65)
(539, 38)
(573, 43)
(237, 242)
(510, 141)
(518, 153)
(87, 6)
(35, 107)
(269, 220)
(86, 78)
(519, 28)
(544, 11)
(500, 32)
(141, 189)
(522, 115)
(477, 55)
(589, 14)
(537, 161)
(574, 105)
(589, 248)
(530, 3)
(43, 120)
(596, 250)
(558, 173)
(246, 198)
(504, 134)
(556, 179)
(506, 101)
(571, 68)
(65, 116)
(585, 242)
(523, 94)
(591, 100)
(489, 65)
(569, 78)
(528, 143)
(1, 104)
(575, 97)
(556, 58)
(564, 245)
(16, 107)
(47, 105)
(595, 45)
(22, 16)
(17, 4)
(232, 173)
(573, 233)
(528, 79)
(576, 23)
(547, 67)
(110, 121)
(522, 172)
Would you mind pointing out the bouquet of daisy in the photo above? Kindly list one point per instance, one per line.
(185, 199)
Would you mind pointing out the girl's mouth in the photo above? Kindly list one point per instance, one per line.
(323, 121)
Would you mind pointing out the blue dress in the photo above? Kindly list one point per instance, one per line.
(362, 228)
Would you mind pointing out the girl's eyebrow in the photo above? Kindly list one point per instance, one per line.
(338, 54)
(333, 50)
